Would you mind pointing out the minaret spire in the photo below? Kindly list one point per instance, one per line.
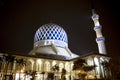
(98, 29)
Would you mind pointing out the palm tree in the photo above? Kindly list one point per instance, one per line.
(106, 67)
(43, 74)
(1, 63)
(78, 64)
(21, 63)
(3, 59)
(63, 74)
(33, 74)
(6, 59)
(11, 65)
(9, 61)
(88, 68)
(26, 73)
(115, 68)
(55, 68)
(50, 76)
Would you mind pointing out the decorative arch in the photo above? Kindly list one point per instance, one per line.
(61, 65)
(28, 67)
(39, 65)
(90, 61)
(47, 66)
(67, 66)
(97, 65)
(54, 63)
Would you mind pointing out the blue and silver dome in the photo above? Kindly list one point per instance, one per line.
(49, 34)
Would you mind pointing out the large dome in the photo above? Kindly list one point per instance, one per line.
(50, 34)
(51, 39)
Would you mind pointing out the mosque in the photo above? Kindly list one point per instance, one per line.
(51, 58)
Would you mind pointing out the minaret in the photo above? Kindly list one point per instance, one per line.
(100, 39)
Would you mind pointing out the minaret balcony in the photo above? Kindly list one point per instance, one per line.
(97, 27)
(100, 39)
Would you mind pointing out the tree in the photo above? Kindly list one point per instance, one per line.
(88, 68)
(81, 65)
(115, 67)
(43, 74)
(63, 74)
(8, 61)
(106, 67)
(21, 63)
(55, 68)
(78, 64)
(33, 74)
(1, 63)
(50, 76)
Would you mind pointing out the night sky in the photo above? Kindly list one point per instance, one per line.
(19, 20)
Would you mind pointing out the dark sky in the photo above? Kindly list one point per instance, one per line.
(19, 20)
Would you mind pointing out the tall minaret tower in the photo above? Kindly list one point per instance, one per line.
(100, 39)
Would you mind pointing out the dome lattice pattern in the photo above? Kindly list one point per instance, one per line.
(50, 32)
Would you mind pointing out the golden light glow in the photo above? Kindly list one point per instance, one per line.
(53, 63)
(39, 61)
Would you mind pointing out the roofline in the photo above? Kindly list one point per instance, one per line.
(38, 56)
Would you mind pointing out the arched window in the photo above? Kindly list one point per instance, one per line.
(29, 65)
(61, 66)
(97, 65)
(90, 61)
(67, 66)
(72, 66)
(102, 68)
(39, 65)
(47, 66)
(54, 63)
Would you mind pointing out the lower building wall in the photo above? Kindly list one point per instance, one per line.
(45, 69)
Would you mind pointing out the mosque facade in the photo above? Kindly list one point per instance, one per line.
(51, 58)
